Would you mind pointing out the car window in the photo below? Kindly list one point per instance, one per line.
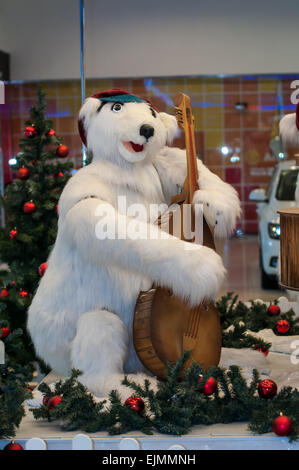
(287, 185)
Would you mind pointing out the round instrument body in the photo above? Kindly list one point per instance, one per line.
(165, 326)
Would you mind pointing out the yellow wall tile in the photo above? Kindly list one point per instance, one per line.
(213, 139)
(176, 85)
(268, 84)
(214, 120)
(90, 88)
(66, 88)
(213, 85)
(101, 85)
(194, 85)
(198, 114)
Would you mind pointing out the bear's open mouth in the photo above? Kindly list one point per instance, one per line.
(132, 147)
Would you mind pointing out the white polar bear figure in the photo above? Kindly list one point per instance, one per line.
(82, 313)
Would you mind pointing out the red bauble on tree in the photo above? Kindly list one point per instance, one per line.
(282, 326)
(24, 294)
(62, 151)
(13, 233)
(267, 389)
(273, 310)
(5, 332)
(135, 404)
(210, 386)
(30, 132)
(29, 207)
(54, 401)
(13, 446)
(59, 175)
(51, 132)
(262, 349)
(42, 269)
(23, 174)
(3, 293)
(282, 425)
(56, 209)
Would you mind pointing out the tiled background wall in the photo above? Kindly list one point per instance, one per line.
(246, 134)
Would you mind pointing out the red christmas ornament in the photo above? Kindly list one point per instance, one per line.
(62, 151)
(51, 132)
(59, 175)
(13, 233)
(42, 269)
(13, 446)
(56, 209)
(30, 132)
(267, 388)
(29, 207)
(23, 174)
(282, 425)
(4, 293)
(262, 349)
(282, 326)
(135, 403)
(24, 293)
(5, 332)
(273, 310)
(210, 386)
(45, 400)
(54, 401)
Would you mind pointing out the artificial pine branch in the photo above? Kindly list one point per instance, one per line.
(178, 404)
(238, 318)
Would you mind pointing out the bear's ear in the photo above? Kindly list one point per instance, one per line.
(171, 125)
(87, 111)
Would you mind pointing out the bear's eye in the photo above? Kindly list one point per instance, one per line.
(153, 112)
(116, 107)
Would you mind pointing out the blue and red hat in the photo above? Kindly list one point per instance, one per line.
(113, 95)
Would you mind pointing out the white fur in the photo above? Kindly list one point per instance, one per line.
(288, 130)
(81, 315)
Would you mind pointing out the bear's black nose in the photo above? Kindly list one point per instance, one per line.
(147, 131)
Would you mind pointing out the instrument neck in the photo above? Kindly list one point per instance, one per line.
(192, 177)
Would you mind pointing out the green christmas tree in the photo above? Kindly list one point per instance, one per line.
(31, 203)
(14, 376)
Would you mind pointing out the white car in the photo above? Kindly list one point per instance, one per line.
(280, 194)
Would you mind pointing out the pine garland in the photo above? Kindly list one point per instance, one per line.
(175, 407)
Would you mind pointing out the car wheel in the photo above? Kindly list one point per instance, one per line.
(267, 282)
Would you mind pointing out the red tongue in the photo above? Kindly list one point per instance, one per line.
(136, 147)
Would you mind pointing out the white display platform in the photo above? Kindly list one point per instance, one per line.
(233, 436)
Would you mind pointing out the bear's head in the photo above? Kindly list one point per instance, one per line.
(116, 125)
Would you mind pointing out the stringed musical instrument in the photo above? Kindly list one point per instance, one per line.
(164, 325)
